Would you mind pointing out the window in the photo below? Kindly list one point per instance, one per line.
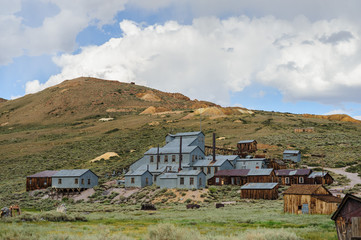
(202, 169)
(59, 181)
(299, 207)
(200, 181)
(194, 168)
(146, 181)
(45, 183)
(82, 181)
(193, 157)
(215, 169)
(301, 180)
(88, 181)
(151, 158)
(173, 158)
(191, 181)
(181, 181)
(217, 180)
(208, 170)
(30, 181)
(287, 180)
(132, 180)
(75, 181)
(166, 158)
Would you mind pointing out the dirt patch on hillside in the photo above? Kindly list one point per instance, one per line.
(177, 195)
(334, 117)
(105, 156)
(266, 146)
(216, 112)
(149, 96)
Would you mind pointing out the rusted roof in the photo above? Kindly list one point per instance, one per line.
(302, 189)
(232, 172)
(47, 173)
(292, 172)
(328, 198)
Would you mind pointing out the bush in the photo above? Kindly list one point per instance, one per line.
(168, 231)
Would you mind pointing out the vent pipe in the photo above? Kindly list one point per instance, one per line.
(180, 154)
(158, 157)
(214, 148)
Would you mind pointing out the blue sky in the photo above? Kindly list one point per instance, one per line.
(281, 55)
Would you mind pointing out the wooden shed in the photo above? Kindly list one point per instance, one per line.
(260, 191)
(246, 146)
(348, 218)
(320, 178)
(40, 180)
(292, 176)
(243, 176)
(309, 199)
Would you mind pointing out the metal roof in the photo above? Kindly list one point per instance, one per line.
(259, 186)
(260, 172)
(290, 172)
(189, 173)
(232, 172)
(304, 189)
(208, 163)
(71, 173)
(292, 151)
(138, 172)
(247, 141)
(317, 174)
(251, 159)
(173, 150)
(46, 173)
(185, 134)
(223, 157)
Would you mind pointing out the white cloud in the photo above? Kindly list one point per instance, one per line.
(57, 33)
(337, 111)
(315, 61)
(357, 117)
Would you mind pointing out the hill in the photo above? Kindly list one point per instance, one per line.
(2, 100)
(59, 127)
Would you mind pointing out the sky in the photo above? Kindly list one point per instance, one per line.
(293, 56)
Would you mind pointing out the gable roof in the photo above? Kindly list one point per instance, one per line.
(46, 173)
(247, 141)
(259, 186)
(291, 151)
(209, 163)
(232, 172)
(347, 198)
(317, 174)
(292, 172)
(72, 173)
(138, 172)
(190, 173)
(304, 189)
(185, 134)
(328, 198)
(260, 172)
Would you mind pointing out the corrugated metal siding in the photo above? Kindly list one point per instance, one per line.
(68, 181)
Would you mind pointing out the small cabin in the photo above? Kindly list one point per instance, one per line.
(75, 179)
(40, 180)
(276, 164)
(267, 191)
(139, 178)
(190, 179)
(348, 218)
(249, 163)
(292, 155)
(245, 147)
(320, 178)
(292, 176)
(309, 199)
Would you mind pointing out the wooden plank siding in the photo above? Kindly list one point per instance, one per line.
(269, 194)
(35, 183)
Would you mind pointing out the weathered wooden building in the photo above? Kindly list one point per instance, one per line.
(260, 191)
(243, 176)
(276, 164)
(292, 176)
(319, 178)
(40, 180)
(292, 155)
(74, 180)
(348, 218)
(309, 199)
(246, 147)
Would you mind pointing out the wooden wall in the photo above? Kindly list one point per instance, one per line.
(294, 203)
(327, 179)
(269, 194)
(247, 147)
(35, 183)
(293, 180)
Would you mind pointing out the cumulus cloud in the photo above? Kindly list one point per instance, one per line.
(56, 33)
(210, 58)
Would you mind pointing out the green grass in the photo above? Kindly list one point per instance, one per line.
(244, 218)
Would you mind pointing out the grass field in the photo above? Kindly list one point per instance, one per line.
(245, 220)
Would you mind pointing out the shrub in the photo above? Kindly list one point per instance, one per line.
(168, 231)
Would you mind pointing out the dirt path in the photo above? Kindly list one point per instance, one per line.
(355, 179)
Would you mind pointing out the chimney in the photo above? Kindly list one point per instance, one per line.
(158, 157)
(214, 148)
(180, 154)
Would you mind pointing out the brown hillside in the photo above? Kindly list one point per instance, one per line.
(334, 117)
(87, 97)
(3, 100)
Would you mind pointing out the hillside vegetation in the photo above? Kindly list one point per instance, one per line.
(59, 128)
